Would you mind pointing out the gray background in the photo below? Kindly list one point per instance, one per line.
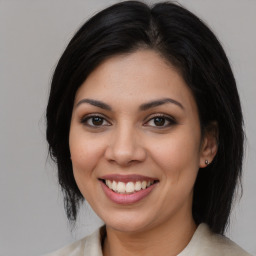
(33, 36)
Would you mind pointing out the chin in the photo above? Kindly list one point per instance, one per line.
(127, 227)
(131, 223)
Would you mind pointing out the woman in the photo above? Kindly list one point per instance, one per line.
(144, 122)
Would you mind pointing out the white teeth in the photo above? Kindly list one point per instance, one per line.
(130, 187)
(109, 184)
(144, 184)
(138, 185)
(114, 185)
(120, 187)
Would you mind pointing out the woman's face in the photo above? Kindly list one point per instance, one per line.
(135, 142)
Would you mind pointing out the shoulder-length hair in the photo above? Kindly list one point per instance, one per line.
(188, 44)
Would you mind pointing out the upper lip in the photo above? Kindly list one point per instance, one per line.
(127, 178)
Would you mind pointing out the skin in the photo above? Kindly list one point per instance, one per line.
(129, 140)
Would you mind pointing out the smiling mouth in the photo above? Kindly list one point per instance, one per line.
(129, 187)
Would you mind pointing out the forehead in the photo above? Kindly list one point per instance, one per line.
(140, 76)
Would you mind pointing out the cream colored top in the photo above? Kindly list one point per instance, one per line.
(203, 243)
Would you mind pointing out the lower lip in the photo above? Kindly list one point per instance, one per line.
(126, 198)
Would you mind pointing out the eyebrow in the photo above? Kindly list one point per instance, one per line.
(159, 102)
(142, 107)
(96, 103)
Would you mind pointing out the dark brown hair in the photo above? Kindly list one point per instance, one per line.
(188, 44)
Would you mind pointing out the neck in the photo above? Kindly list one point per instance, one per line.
(168, 239)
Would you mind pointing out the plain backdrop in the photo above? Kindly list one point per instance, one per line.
(33, 35)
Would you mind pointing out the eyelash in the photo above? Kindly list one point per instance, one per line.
(84, 120)
(171, 121)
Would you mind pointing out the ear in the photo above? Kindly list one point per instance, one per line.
(209, 145)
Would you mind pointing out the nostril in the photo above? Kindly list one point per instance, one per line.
(125, 151)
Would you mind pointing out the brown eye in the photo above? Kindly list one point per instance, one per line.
(159, 121)
(95, 121)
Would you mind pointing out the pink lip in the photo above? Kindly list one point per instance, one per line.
(126, 198)
(126, 178)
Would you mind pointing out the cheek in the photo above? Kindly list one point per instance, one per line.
(178, 154)
(85, 153)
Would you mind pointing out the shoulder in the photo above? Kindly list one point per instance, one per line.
(205, 242)
(89, 245)
(224, 246)
(75, 249)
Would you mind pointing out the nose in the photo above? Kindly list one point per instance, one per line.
(125, 147)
